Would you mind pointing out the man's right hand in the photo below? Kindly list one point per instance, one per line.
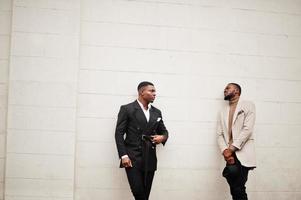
(126, 162)
(228, 155)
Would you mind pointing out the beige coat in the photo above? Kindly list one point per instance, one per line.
(242, 131)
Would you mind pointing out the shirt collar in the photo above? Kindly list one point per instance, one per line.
(141, 105)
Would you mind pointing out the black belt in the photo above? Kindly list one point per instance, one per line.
(147, 137)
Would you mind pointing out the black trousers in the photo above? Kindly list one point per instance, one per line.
(140, 182)
(237, 176)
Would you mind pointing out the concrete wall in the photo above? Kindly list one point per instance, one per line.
(5, 32)
(43, 75)
(73, 63)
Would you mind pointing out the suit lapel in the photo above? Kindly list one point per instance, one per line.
(152, 117)
(139, 115)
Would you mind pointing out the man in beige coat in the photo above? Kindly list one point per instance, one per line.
(236, 140)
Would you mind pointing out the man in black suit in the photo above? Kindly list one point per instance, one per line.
(143, 127)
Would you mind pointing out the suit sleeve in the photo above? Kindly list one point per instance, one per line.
(120, 131)
(161, 129)
(221, 136)
(248, 127)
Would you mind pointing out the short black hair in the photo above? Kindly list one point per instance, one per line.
(143, 84)
(237, 86)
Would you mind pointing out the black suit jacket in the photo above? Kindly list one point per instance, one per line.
(132, 124)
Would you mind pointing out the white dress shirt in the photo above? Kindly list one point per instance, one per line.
(146, 112)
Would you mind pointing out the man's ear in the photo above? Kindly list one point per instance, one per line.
(140, 92)
(236, 91)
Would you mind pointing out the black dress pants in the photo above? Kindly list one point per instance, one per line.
(237, 176)
(140, 182)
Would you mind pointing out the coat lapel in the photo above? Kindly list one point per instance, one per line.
(238, 108)
(139, 115)
(152, 118)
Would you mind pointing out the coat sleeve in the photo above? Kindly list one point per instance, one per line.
(247, 128)
(161, 129)
(221, 140)
(121, 130)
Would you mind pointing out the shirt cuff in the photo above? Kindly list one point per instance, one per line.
(124, 156)
(232, 148)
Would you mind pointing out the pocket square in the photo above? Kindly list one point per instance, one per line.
(159, 118)
(241, 111)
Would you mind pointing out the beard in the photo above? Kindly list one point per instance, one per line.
(229, 97)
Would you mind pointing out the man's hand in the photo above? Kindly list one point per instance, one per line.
(158, 139)
(126, 162)
(231, 160)
(228, 155)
